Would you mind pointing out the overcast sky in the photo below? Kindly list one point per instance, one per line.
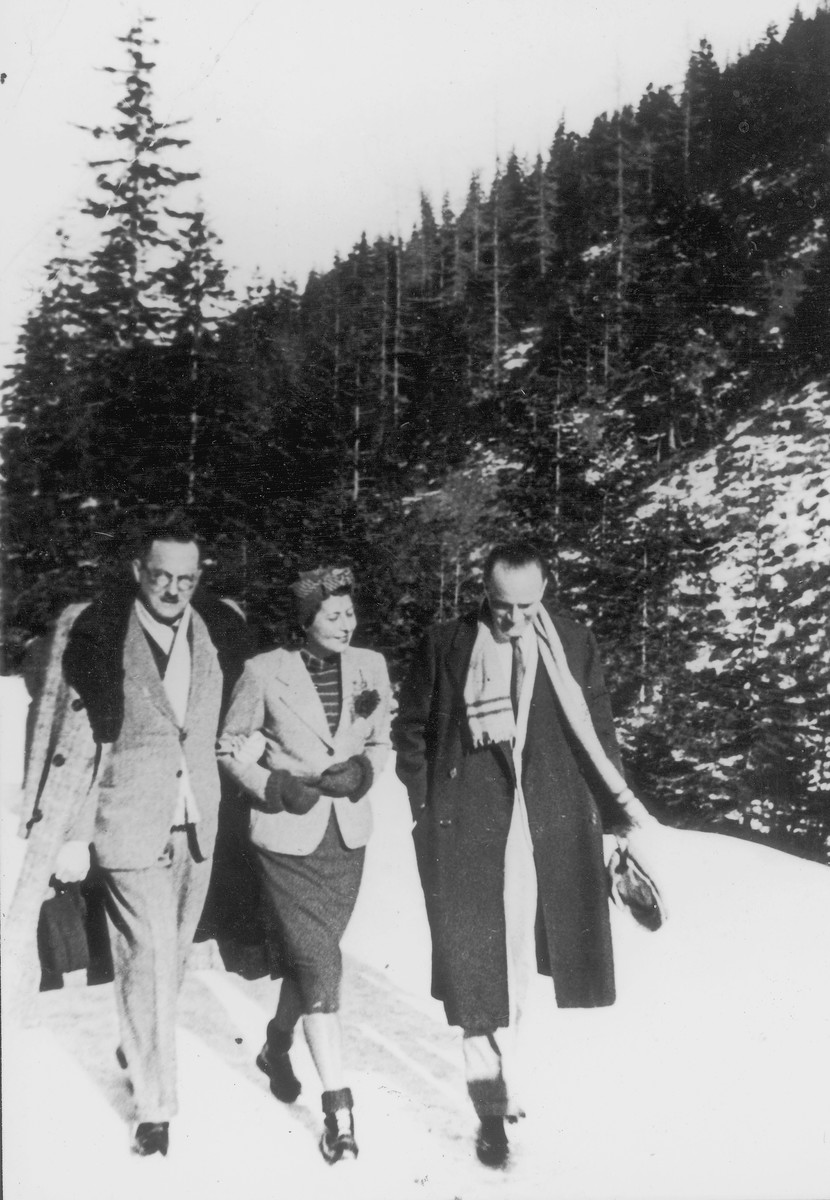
(315, 120)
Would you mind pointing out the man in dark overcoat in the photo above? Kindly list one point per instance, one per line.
(509, 813)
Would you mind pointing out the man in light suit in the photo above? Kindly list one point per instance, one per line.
(148, 668)
(509, 808)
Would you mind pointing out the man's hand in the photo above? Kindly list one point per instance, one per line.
(351, 778)
(72, 863)
(636, 812)
(284, 792)
(245, 749)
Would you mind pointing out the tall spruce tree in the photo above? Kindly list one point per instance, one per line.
(106, 395)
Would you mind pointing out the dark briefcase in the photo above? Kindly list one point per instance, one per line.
(61, 931)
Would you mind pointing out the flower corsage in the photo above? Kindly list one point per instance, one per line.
(366, 702)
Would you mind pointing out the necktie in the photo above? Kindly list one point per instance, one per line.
(517, 674)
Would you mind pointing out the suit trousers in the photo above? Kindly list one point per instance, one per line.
(153, 913)
(490, 1055)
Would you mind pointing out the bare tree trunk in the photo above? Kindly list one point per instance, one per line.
(557, 475)
(606, 361)
(383, 371)
(190, 498)
(337, 368)
(356, 450)
(441, 584)
(397, 341)
(476, 236)
(644, 619)
(621, 234)
(546, 240)
(496, 355)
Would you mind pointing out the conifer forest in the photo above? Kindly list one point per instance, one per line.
(619, 349)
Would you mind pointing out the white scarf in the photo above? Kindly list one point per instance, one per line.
(176, 680)
(490, 712)
(487, 693)
(574, 704)
(173, 641)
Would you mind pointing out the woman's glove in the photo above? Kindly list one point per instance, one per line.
(284, 792)
(351, 778)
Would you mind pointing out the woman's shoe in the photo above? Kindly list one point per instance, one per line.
(277, 1066)
(337, 1143)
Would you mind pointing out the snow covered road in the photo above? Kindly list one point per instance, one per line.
(707, 1080)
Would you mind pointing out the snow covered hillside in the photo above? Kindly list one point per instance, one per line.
(708, 1078)
(740, 698)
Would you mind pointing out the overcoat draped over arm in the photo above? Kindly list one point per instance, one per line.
(60, 772)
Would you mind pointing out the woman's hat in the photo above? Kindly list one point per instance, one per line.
(311, 588)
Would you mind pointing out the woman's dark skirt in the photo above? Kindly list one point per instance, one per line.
(308, 901)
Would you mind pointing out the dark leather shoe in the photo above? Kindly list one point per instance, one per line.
(152, 1137)
(121, 1058)
(492, 1146)
(284, 1083)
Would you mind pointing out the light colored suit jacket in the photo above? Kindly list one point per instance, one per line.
(277, 697)
(130, 810)
(128, 817)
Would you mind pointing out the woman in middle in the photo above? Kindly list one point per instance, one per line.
(306, 734)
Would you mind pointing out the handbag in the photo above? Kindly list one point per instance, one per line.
(61, 932)
(632, 888)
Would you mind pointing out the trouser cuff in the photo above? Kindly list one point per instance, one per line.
(485, 1080)
(489, 1097)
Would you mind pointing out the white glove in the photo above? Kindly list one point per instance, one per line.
(72, 863)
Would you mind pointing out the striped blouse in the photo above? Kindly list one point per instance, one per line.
(325, 674)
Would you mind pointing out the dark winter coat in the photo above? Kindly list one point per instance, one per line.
(462, 801)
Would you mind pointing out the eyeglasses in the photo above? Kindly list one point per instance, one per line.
(161, 580)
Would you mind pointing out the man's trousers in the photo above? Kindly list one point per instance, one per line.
(153, 913)
(489, 1055)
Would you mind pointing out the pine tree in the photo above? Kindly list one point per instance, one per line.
(196, 286)
(127, 294)
(108, 390)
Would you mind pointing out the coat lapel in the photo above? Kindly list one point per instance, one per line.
(460, 653)
(297, 691)
(140, 665)
(202, 657)
(350, 680)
